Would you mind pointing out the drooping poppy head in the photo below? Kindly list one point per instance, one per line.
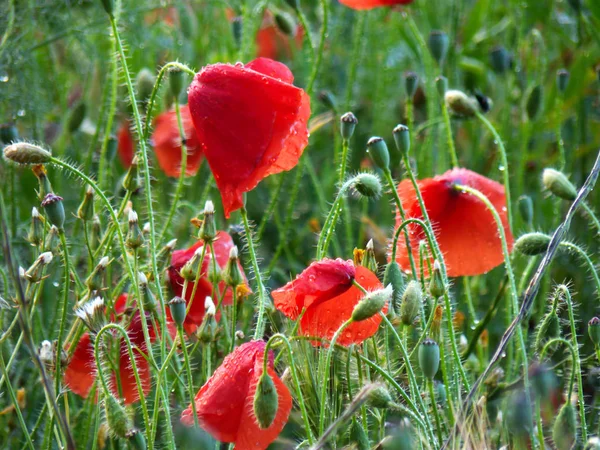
(251, 121)
(326, 292)
(272, 43)
(125, 144)
(167, 143)
(465, 230)
(225, 404)
(222, 246)
(370, 4)
(81, 373)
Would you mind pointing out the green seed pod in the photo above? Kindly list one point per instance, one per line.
(328, 99)
(86, 210)
(285, 23)
(403, 438)
(519, 414)
(532, 244)
(25, 153)
(117, 419)
(500, 59)
(564, 431)
(95, 281)
(558, 184)
(53, 206)
(76, 117)
(411, 83)
(438, 45)
(131, 181)
(52, 240)
(380, 398)
(379, 153)
(412, 299)
(393, 277)
(441, 84)
(135, 237)
(460, 104)
(437, 288)
(367, 185)
(562, 80)
(371, 304)
(526, 209)
(237, 31)
(175, 81)
(177, 308)
(8, 134)
(144, 84)
(36, 231)
(594, 331)
(208, 231)
(348, 124)
(402, 139)
(535, 101)
(358, 436)
(266, 401)
(549, 329)
(136, 439)
(429, 358)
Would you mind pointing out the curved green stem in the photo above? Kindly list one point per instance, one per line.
(567, 344)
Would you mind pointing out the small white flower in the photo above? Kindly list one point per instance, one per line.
(104, 262)
(35, 213)
(46, 353)
(209, 306)
(209, 207)
(233, 253)
(171, 244)
(133, 217)
(45, 258)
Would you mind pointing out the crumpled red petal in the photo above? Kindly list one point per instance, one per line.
(321, 281)
(370, 4)
(167, 143)
(80, 373)
(465, 230)
(125, 144)
(323, 319)
(251, 121)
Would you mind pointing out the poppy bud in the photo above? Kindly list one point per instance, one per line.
(594, 331)
(558, 184)
(44, 183)
(402, 139)
(34, 273)
(564, 431)
(460, 104)
(429, 358)
(519, 414)
(25, 153)
(367, 185)
(144, 84)
(135, 238)
(109, 6)
(548, 329)
(36, 231)
(76, 117)
(209, 228)
(190, 269)
(393, 276)
(562, 80)
(526, 209)
(177, 308)
(8, 134)
(164, 255)
(438, 45)
(285, 23)
(266, 401)
(136, 439)
(131, 181)
(52, 240)
(369, 260)
(411, 83)
(54, 209)
(534, 103)
(96, 279)
(411, 303)
(96, 231)
(92, 314)
(371, 304)
(500, 59)
(175, 81)
(532, 244)
(348, 123)
(441, 84)
(117, 419)
(403, 437)
(237, 30)
(233, 275)
(380, 398)
(358, 436)
(86, 210)
(148, 298)
(379, 153)
(593, 443)
(437, 288)
(328, 99)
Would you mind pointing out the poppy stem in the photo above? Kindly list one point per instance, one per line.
(357, 44)
(262, 300)
(317, 61)
(438, 423)
(112, 109)
(449, 137)
(586, 258)
(188, 369)
(63, 307)
(574, 359)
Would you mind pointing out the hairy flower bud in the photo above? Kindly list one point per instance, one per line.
(232, 274)
(209, 227)
(86, 210)
(76, 117)
(26, 153)
(412, 300)
(532, 244)
(131, 181)
(437, 288)
(558, 184)
(117, 418)
(380, 398)
(460, 104)
(135, 237)
(594, 331)
(393, 277)
(526, 209)
(36, 231)
(144, 84)
(564, 431)
(176, 81)
(266, 401)
(367, 185)
(371, 304)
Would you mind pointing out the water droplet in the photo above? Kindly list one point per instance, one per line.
(501, 168)
(55, 284)
(21, 112)
(3, 77)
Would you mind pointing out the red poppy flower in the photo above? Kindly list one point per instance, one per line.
(251, 121)
(225, 404)
(167, 143)
(370, 4)
(125, 144)
(80, 373)
(465, 230)
(326, 292)
(222, 246)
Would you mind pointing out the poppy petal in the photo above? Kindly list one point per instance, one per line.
(370, 4)
(80, 373)
(125, 145)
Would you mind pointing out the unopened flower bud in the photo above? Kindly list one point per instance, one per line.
(191, 268)
(519, 414)
(438, 43)
(209, 227)
(402, 438)
(558, 184)
(95, 281)
(86, 210)
(500, 59)
(177, 308)
(35, 272)
(532, 244)
(549, 329)
(176, 81)
(402, 139)
(526, 209)
(440, 393)
(562, 80)
(371, 304)
(594, 331)
(25, 153)
(411, 83)
(412, 300)
(460, 104)
(367, 185)
(53, 206)
(117, 418)
(52, 240)
(148, 298)
(348, 124)
(232, 275)
(564, 431)
(92, 314)
(96, 232)
(393, 276)
(437, 288)
(369, 260)
(131, 181)
(266, 401)
(535, 100)
(44, 183)
(165, 253)
(144, 84)
(36, 231)
(543, 381)
(209, 306)
(429, 358)
(380, 398)
(76, 118)
(136, 438)
(379, 152)
(358, 436)
(135, 237)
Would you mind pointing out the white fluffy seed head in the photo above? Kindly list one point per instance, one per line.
(45, 258)
(209, 306)
(233, 253)
(209, 207)
(133, 217)
(90, 309)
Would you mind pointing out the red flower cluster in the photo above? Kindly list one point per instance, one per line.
(370, 4)
(80, 373)
(222, 246)
(465, 230)
(225, 403)
(251, 121)
(325, 291)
